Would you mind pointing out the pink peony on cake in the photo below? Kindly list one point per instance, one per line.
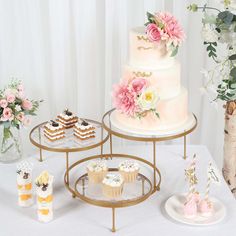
(149, 95)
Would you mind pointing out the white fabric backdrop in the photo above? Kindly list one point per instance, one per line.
(70, 52)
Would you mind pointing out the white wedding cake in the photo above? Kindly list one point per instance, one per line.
(149, 95)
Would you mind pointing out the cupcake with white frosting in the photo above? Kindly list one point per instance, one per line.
(112, 185)
(96, 170)
(129, 170)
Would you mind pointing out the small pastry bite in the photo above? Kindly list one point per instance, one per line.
(84, 130)
(24, 184)
(129, 170)
(112, 185)
(190, 208)
(54, 131)
(44, 190)
(67, 119)
(205, 207)
(194, 196)
(97, 170)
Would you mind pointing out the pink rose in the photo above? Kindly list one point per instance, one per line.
(26, 121)
(153, 32)
(7, 114)
(138, 84)
(11, 97)
(20, 116)
(26, 104)
(3, 103)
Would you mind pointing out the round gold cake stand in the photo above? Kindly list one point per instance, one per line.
(143, 186)
(69, 144)
(119, 132)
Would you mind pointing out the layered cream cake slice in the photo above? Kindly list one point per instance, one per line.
(67, 119)
(54, 131)
(84, 130)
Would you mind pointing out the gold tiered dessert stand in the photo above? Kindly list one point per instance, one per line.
(133, 193)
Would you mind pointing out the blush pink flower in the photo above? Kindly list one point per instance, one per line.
(11, 97)
(153, 32)
(7, 114)
(172, 28)
(26, 121)
(138, 85)
(3, 103)
(20, 116)
(26, 104)
(124, 99)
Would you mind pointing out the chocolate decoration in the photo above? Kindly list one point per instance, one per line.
(84, 123)
(45, 186)
(54, 123)
(68, 113)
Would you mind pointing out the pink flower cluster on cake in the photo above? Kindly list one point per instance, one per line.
(163, 26)
(135, 98)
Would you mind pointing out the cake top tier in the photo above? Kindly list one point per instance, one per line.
(155, 45)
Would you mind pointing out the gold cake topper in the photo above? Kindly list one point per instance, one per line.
(142, 74)
(144, 48)
(143, 38)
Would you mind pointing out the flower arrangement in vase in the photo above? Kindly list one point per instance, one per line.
(219, 32)
(15, 112)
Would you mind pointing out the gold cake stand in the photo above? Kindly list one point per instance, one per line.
(133, 193)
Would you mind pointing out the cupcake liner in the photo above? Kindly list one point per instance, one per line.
(130, 176)
(112, 192)
(96, 177)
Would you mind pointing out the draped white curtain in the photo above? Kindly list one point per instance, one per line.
(70, 52)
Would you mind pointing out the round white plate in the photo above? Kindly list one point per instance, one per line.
(186, 125)
(174, 208)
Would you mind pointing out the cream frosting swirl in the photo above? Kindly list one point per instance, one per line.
(97, 166)
(129, 166)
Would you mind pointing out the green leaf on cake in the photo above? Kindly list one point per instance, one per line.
(151, 17)
(175, 51)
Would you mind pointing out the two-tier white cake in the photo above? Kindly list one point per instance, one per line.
(149, 95)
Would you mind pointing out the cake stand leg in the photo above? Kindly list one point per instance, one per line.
(40, 155)
(67, 168)
(142, 186)
(113, 220)
(154, 166)
(102, 144)
(111, 145)
(185, 141)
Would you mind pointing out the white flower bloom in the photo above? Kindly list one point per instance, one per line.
(209, 34)
(205, 73)
(18, 108)
(148, 99)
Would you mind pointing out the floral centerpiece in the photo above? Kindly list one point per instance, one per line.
(219, 35)
(15, 112)
(135, 98)
(164, 27)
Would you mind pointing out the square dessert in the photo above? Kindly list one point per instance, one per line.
(67, 119)
(54, 131)
(84, 130)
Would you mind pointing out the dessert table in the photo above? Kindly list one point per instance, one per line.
(73, 216)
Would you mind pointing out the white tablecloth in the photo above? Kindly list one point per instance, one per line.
(74, 217)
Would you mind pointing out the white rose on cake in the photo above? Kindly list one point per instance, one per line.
(148, 99)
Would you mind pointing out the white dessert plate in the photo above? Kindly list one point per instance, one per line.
(174, 208)
(186, 125)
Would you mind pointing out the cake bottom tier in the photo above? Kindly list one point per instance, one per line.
(173, 112)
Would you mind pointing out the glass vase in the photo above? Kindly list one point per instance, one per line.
(10, 144)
